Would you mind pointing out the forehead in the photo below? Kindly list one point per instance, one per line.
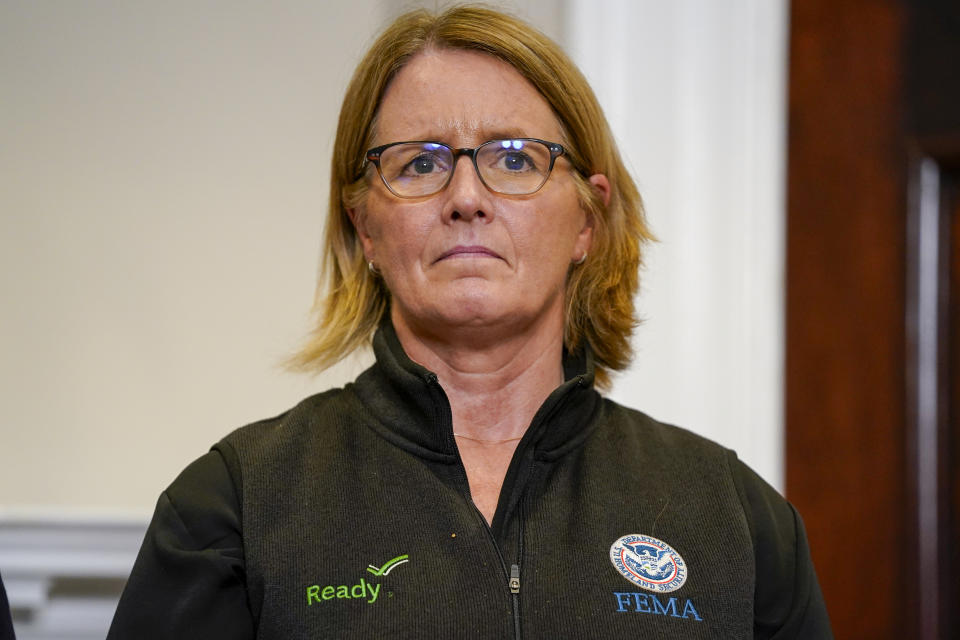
(462, 98)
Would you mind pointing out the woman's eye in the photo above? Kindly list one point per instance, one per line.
(515, 161)
(422, 165)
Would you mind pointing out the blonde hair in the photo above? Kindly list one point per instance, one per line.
(599, 293)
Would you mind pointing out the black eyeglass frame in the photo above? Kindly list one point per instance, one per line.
(372, 156)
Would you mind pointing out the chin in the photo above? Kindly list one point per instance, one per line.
(474, 303)
(486, 311)
(462, 305)
(471, 309)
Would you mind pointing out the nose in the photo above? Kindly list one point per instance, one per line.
(466, 197)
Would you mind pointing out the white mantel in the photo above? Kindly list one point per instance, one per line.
(63, 572)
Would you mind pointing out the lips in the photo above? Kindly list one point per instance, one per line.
(472, 251)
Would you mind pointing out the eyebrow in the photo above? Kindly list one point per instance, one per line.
(504, 134)
(483, 135)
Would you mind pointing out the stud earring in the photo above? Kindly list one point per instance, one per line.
(582, 259)
(373, 268)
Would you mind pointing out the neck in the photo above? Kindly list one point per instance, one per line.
(494, 386)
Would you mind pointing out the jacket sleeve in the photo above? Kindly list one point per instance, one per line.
(188, 580)
(788, 603)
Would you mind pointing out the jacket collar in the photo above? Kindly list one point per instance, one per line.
(410, 409)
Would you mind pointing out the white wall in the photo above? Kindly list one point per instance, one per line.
(163, 181)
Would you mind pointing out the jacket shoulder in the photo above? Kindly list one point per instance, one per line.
(296, 422)
(638, 428)
(289, 440)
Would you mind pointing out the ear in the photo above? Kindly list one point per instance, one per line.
(359, 220)
(601, 185)
(581, 247)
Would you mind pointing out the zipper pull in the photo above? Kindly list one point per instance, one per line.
(514, 579)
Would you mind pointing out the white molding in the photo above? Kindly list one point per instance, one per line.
(695, 93)
(41, 551)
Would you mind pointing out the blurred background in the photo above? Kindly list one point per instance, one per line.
(163, 185)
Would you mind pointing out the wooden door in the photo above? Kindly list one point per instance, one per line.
(873, 309)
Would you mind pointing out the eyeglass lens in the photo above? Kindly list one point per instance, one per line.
(514, 167)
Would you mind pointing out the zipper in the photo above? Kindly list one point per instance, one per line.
(515, 590)
(513, 578)
(514, 582)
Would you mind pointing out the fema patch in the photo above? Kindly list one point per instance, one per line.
(649, 563)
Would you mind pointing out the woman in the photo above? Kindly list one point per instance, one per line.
(472, 483)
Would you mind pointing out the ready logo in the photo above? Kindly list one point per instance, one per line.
(366, 591)
(389, 566)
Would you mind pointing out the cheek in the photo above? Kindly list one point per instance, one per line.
(396, 237)
(552, 231)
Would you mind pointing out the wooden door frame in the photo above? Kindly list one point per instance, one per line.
(873, 309)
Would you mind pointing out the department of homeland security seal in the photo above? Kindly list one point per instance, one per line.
(649, 563)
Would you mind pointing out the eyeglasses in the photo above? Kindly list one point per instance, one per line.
(515, 167)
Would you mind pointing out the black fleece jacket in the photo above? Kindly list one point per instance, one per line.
(349, 516)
